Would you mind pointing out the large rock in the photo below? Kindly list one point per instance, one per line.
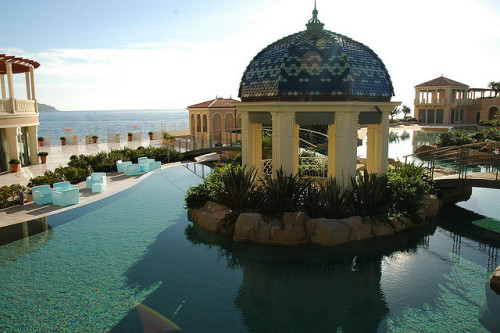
(382, 229)
(359, 229)
(210, 215)
(246, 227)
(495, 280)
(263, 231)
(432, 206)
(289, 236)
(402, 223)
(328, 232)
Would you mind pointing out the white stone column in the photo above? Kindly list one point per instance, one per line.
(251, 143)
(10, 83)
(371, 148)
(332, 139)
(296, 130)
(283, 144)
(2, 82)
(33, 144)
(32, 76)
(28, 86)
(11, 133)
(346, 137)
(381, 144)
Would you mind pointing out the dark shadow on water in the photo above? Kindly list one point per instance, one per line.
(204, 277)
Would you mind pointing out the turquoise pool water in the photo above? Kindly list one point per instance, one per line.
(100, 261)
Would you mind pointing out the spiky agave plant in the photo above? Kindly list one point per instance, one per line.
(284, 193)
(338, 201)
(370, 193)
(240, 189)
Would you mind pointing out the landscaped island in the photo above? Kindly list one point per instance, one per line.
(290, 210)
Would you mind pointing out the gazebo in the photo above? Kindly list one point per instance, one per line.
(316, 77)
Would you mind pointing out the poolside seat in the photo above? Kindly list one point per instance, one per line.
(95, 178)
(143, 163)
(132, 170)
(42, 194)
(154, 165)
(62, 186)
(120, 165)
(98, 188)
(65, 194)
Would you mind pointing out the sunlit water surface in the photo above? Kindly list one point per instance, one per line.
(89, 273)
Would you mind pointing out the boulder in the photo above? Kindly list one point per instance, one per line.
(495, 280)
(246, 227)
(263, 231)
(382, 229)
(402, 223)
(295, 219)
(329, 232)
(209, 216)
(359, 229)
(295, 235)
(432, 206)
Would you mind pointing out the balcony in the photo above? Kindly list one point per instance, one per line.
(424, 101)
(19, 107)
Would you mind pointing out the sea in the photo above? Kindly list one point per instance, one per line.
(100, 123)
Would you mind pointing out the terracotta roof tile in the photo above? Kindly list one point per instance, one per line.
(216, 103)
(441, 81)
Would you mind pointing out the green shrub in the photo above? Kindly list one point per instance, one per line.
(492, 134)
(168, 136)
(394, 121)
(9, 195)
(240, 189)
(408, 183)
(285, 193)
(454, 138)
(329, 201)
(197, 196)
(370, 194)
(267, 146)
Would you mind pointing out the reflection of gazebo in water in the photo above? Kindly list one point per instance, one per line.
(316, 77)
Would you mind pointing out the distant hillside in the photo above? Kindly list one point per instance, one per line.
(46, 108)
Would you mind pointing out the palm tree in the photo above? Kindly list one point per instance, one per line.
(495, 86)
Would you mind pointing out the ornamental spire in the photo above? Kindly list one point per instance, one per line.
(314, 23)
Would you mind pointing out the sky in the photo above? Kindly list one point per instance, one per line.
(163, 54)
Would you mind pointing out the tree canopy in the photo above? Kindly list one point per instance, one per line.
(495, 86)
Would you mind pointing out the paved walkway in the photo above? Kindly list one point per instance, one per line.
(59, 156)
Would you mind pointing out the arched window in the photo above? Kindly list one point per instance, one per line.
(193, 124)
(229, 121)
(198, 123)
(492, 114)
(217, 121)
(204, 123)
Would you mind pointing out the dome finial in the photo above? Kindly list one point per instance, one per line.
(314, 23)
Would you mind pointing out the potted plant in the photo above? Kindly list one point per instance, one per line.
(43, 156)
(63, 140)
(150, 135)
(129, 136)
(40, 141)
(94, 137)
(167, 138)
(14, 165)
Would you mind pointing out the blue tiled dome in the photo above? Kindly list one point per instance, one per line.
(317, 65)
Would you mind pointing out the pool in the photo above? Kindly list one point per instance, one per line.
(98, 262)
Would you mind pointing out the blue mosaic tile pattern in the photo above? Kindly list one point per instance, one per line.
(316, 65)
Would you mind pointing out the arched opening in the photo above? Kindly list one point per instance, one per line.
(193, 124)
(493, 113)
(229, 121)
(238, 121)
(217, 127)
(204, 123)
(198, 123)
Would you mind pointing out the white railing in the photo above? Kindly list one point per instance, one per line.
(313, 166)
(5, 106)
(267, 167)
(23, 105)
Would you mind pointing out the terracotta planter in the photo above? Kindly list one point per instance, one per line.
(40, 143)
(95, 140)
(63, 142)
(14, 167)
(130, 138)
(44, 159)
(151, 137)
